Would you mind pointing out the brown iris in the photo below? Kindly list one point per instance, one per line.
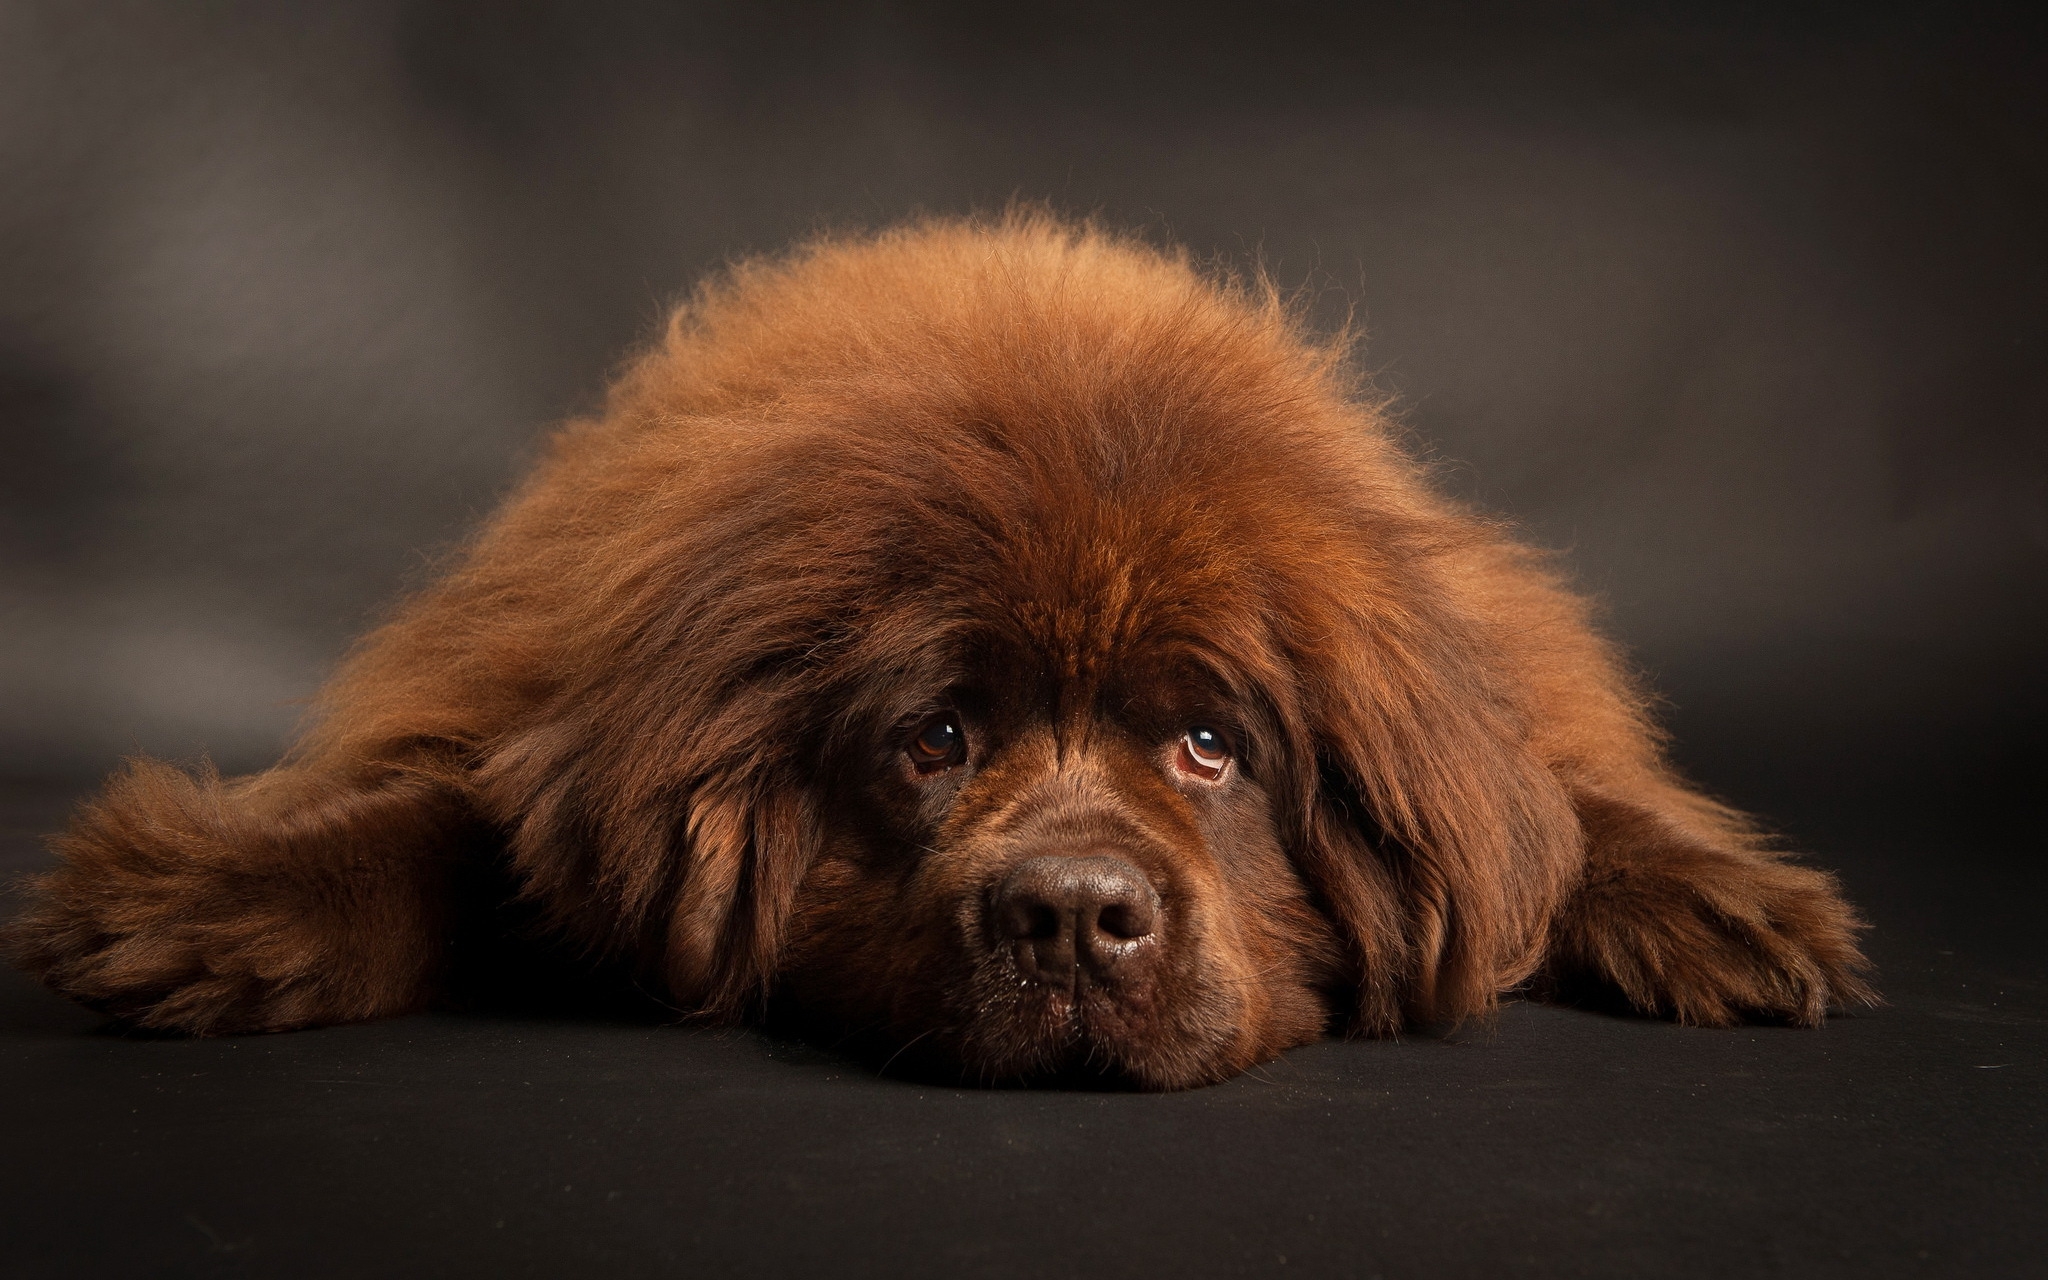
(938, 744)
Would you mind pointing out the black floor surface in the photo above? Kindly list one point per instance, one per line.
(1904, 1141)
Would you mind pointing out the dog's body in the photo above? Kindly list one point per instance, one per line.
(991, 637)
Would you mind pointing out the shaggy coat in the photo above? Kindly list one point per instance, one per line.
(995, 639)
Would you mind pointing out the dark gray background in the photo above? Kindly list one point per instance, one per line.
(1739, 306)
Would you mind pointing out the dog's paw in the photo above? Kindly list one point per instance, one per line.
(172, 912)
(170, 956)
(1702, 934)
(1779, 947)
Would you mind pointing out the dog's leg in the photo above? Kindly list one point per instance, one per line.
(1692, 923)
(290, 899)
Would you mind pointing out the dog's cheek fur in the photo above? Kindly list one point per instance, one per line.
(1291, 953)
(869, 963)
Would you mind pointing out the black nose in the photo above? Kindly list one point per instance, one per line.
(1067, 916)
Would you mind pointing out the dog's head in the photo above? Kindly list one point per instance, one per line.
(1021, 653)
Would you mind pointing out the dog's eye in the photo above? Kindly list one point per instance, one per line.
(938, 744)
(1204, 753)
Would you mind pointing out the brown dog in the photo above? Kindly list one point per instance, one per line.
(993, 637)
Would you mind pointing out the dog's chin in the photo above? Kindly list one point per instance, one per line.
(1082, 1038)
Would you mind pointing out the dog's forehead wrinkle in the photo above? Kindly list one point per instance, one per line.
(1095, 650)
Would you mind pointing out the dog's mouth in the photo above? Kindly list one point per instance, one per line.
(1080, 1036)
(1155, 1028)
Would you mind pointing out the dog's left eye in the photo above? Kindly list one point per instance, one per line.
(1203, 753)
(938, 744)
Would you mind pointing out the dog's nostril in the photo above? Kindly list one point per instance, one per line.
(1029, 919)
(1126, 919)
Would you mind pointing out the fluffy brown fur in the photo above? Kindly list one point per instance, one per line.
(1052, 500)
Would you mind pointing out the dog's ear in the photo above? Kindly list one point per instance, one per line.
(1437, 836)
(658, 802)
(662, 832)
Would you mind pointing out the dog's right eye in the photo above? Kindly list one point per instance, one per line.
(938, 744)
(1203, 753)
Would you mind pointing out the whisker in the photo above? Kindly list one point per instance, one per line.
(884, 1068)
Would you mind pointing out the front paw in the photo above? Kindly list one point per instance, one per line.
(171, 954)
(174, 908)
(1779, 945)
(1702, 933)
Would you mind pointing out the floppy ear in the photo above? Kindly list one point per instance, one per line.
(649, 829)
(1438, 837)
